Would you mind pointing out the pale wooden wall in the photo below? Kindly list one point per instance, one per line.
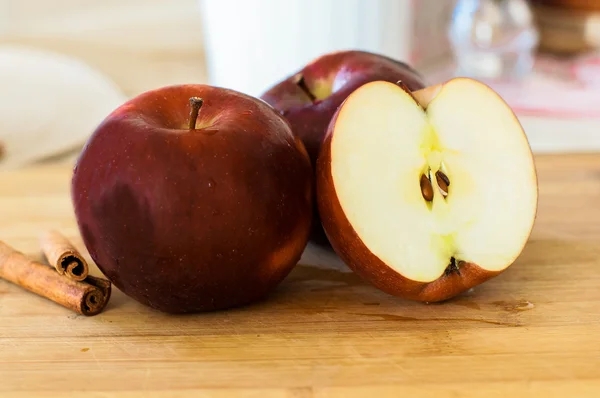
(140, 44)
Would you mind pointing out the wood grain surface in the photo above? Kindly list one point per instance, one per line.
(532, 331)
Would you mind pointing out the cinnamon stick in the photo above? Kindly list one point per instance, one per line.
(63, 256)
(86, 298)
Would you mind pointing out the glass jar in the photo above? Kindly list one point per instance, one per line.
(493, 39)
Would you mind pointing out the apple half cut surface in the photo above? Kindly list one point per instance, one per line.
(426, 195)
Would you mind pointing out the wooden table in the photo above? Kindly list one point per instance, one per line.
(533, 331)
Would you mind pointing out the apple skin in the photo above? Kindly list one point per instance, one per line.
(194, 220)
(349, 247)
(337, 74)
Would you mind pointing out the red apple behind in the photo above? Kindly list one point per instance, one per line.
(310, 97)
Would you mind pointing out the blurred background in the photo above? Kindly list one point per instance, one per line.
(65, 64)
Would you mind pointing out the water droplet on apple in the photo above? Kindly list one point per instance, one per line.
(211, 183)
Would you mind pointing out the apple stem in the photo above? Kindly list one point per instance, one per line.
(300, 82)
(195, 105)
(404, 87)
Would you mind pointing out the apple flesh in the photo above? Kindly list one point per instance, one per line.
(310, 97)
(426, 195)
(189, 215)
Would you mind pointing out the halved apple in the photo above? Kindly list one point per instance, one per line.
(426, 195)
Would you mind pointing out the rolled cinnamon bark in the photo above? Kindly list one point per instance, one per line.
(86, 298)
(63, 256)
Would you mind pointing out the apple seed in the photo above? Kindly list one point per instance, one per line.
(426, 188)
(443, 182)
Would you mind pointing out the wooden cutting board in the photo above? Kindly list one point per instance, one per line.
(533, 331)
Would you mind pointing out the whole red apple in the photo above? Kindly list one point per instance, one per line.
(194, 198)
(310, 97)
